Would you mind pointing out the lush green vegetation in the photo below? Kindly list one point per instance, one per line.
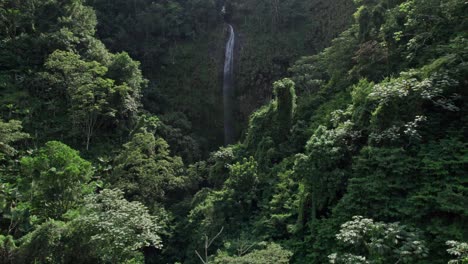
(359, 153)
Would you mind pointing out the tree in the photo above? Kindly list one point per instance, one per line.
(116, 229)
(286, 100)
(109, 229)
(458, 250)
(57, 177)
(10, 132)
(378, 242)
(129, 82)
(308, 74)
(243, 182)
(97, 95)
(146, 172)
(86, 88)
(208, 243)
(7, 247)
(272, 253)
(324, 167)
(46, 244)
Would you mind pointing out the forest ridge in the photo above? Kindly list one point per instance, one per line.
(350, 121)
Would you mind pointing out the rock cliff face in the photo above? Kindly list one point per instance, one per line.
(272, 35)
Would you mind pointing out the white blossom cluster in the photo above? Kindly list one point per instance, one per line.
(386, 91)
(380, 240)
(431, 89)
(347, 259)
(458, 250)
(353, 232)
(120, 227)
(391, 134)
(394, 133)
(411, 128)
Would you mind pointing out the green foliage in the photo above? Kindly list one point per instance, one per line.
(43, 245)
(308, 74)
(7, 247)
(219, 166)
(243, 181)
(258, 125)
(10, 132)
(284, 207)
(286, 104)
(146, 172)
(458, 249)
(280, 112)
(177, 130)
(378, 242)
(238, 194)
(109, 230)
(377, 128)
(325, 166)
(53, 59)
(272, 253)
(86, 87)
(377, 131)
(129, 82)
(338, 58)
(33, 29)
(56, 178)
(178, 44)
(16, 213)
(116, 229)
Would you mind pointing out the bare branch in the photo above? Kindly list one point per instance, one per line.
(208, 243)
(200, 257)
(243, 250)
(217, 235)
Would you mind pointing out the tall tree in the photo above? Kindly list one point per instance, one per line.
(87, 89)
(10, 132)
(286, 104)
(146, 172)
(56, 177)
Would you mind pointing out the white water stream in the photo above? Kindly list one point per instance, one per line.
(228, 88)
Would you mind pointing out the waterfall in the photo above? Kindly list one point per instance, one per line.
(228, 89)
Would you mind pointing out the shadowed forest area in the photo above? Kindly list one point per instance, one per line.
(349, 122)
